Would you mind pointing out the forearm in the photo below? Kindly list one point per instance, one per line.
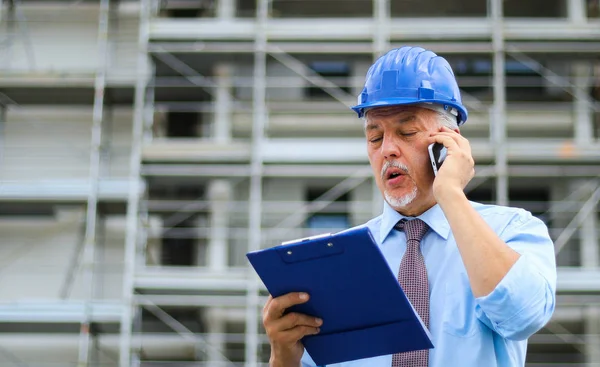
(486, 257)
(278, 362)
(284, 357)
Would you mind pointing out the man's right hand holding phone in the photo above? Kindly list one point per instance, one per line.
(286, 330)
(458, 168)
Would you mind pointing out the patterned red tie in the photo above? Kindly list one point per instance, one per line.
(413, 279)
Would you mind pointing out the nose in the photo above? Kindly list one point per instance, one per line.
(390, 148)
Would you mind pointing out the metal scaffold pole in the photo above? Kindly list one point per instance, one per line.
(381, 19)
(498, 121)
(381, 44)
(133, 199)
(2, 123)
(256, 171)
(92, 199)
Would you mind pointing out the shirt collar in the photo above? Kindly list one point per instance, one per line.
(434, 217)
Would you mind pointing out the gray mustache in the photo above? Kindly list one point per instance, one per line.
(394, 164)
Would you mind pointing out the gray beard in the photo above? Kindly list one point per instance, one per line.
(400, 202)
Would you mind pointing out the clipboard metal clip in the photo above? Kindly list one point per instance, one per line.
(324, 235)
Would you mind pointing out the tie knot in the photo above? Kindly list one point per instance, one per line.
(415, 229)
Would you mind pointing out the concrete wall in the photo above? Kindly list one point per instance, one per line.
(45, 143)
(64, 40)
(36, 254)
(294, 91)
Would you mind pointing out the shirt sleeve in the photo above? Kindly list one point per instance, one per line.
(524, 300)
(307, 361)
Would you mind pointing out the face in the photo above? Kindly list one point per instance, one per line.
(397, 149)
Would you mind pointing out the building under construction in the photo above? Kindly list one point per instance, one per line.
(146, 146)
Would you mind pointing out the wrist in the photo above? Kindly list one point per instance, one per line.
(447, 195)
(278, 362)
(282, 359)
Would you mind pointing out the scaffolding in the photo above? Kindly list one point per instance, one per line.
(254, 139)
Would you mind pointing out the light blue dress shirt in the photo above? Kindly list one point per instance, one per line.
(488, 331)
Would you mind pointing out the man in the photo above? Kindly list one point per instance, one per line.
(482, 277)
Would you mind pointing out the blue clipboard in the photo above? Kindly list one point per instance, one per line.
(364, 310)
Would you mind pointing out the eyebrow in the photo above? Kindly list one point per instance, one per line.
(407, 118)
(371, 126)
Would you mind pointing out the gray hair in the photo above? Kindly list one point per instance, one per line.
(444, 119)
(447, 119)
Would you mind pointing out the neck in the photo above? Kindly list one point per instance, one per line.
(415, 208)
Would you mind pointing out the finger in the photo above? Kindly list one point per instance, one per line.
(446, 140)
(447, 132)
(461, 143)
(297, 333)
(265, 310)
(279, 304)
(446, 128)
(278, 329)
(461, 140)
(294, 319)
(266, 306)
(451, 134)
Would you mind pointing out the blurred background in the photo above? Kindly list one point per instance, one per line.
(146, 146)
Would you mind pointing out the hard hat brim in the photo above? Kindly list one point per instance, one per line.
(360, 109)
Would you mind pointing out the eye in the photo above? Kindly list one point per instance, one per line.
(408, 134)
(375, 140)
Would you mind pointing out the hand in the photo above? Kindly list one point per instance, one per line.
(285, 332)
(458, 168)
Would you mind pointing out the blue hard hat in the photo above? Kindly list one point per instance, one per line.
(411, 75)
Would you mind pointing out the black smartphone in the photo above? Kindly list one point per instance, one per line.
(437, 154)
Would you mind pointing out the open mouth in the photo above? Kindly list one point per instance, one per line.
(393, 173)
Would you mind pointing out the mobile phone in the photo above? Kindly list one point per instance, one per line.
(437, 155)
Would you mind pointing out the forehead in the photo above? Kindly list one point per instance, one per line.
(388, 113)
(391, 111)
